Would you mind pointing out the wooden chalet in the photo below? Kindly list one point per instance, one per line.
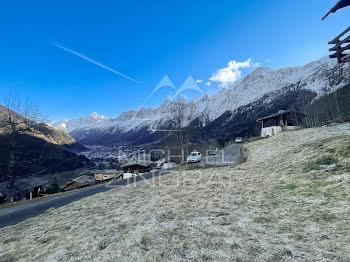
(137, 167)
(279, 122)
(25, 188)
(105, 174)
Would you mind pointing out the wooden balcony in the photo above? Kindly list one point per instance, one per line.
(341, 47)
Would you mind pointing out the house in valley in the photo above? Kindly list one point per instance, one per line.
(136, 168)
(25, 188)
(106, 174)
(279, 122)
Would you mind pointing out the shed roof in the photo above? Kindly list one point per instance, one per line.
(105, 171)
(84, 180)
(24, 184)
(141, 163)
(273, 115)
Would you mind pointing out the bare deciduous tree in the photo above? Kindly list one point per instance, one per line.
(178, 117)
(17, 118)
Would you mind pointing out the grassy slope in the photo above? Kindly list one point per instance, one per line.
(272, 207)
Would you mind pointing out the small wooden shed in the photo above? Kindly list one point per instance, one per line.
(106, 174)
(279, 122)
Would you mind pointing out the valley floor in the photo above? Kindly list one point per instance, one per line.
(278, 205)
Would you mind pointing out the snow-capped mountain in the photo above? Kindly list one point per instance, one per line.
(82, 122)
(263, 84)
(313, 76)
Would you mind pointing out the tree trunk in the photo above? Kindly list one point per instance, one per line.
(10, 168)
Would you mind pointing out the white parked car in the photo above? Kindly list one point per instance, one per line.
(239, 140)
(194, 157)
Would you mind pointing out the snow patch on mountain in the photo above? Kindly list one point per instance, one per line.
(82, 122)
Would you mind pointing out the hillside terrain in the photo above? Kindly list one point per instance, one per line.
(287, 202)
(232, 111)
(43, 150)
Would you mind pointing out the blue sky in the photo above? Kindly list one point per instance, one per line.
(146, 40)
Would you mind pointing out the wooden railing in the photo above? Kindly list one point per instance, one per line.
(341, 47)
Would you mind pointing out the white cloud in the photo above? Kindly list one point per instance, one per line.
(230, 74)
(208, 84)
(199, 81)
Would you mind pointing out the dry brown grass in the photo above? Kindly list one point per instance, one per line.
(266, 209)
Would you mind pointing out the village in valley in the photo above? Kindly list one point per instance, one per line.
(249, 164)
(108, 165)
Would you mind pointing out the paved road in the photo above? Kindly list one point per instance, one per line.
(15, 215)
(229, 156)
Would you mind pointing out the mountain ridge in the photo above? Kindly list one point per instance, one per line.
(320, 76)
(85, 121)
